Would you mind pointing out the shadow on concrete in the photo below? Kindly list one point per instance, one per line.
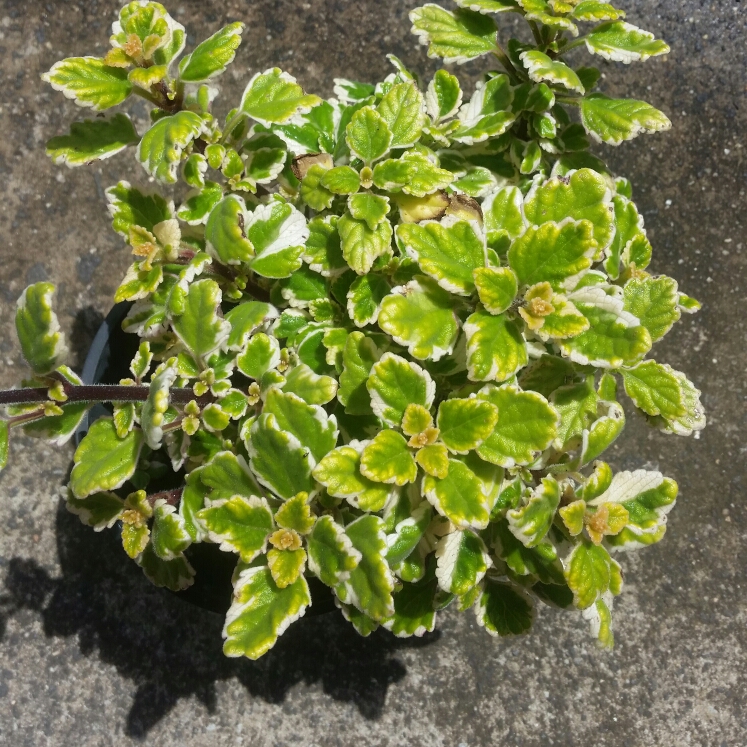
(172, 650)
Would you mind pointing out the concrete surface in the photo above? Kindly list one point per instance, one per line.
(90, 654)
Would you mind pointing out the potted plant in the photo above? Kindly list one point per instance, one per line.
(379, 337)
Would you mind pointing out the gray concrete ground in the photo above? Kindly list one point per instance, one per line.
(90, 654)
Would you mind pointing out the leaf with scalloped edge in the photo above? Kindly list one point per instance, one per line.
(487, 113)
(210, 58)
(362, 245)
(543, 69)
(527, 425)
(504, 609)
(465, 423)
(496, 287)
(359, 355)
(414, 607)
(364, 299)
(489, 6)
(92, 140)
(89, 82)
(693, 418)
(332, 556)
(394, 383)
(129, 207)
(630, 243)
(161, 147)
(591, 573)
(277, 231)
(463, 561)
(448, 252)
(654, 300)
(495, 348)
(224, 232)
(169, 536)
(444, 95)
(408, 533)
(198, 326)
(655, 389)
(622, 42)
(278, 459)
(368, 135)
(175, 575)
(403, 109)
(239, 524)
(98, 510)
(102, 460)
(261, 612)
(530, 522)
(387, 459)
(275, 97)
(419, 315)
(459, 496)
(322, 250)
(614, 338)
(613, 121)
(457, 36)
(38, 329)
(583, 195)
(313, 388)
(592, 10)
(370, 584)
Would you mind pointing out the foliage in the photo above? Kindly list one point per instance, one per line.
(382, 333)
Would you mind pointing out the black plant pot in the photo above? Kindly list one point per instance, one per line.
(107, 362)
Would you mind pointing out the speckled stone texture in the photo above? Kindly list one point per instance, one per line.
(91, 654)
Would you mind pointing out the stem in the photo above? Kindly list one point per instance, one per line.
(97, 393)
(503, 59)
(572, 45)
(536, 34)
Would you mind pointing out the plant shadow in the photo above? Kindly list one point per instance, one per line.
(172, 650)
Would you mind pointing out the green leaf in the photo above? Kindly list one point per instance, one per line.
(341, 180)
(612, 121)
(504, 609)
(239, 524)
(531, 522)
(403, 109)
(286, 565)
(370, 584)
(459, 496)
(591, 573)
(361, 245)
(261, 354)
(630, 243)
(444, 95)
(89, 82)
(278, 459)
(102, 460)
(495, 348)
(456, 37)
(577, 405)
(557, 253)
(198, 326)
(323, 252)
(542, 69)
(369, 208)
(408, 533)
(546, 374)
(419, 315)
(310, 387)
(161, 147)
(169, 536)
(175, 575)
(655, 389)
(245, 319)
(4, 431)
(488, 112)
(394, 383)
(224, 232)
(98, 510)
(413, 174)
(504, 217)
(540, 561)
(414, 607)
(197, 207)
(92, 140)
(654, 301)
(694, 417)
(622, 42)
(447, 252)
(312, 192)
(463, 561)
(296, 514)
(261, 612)
(332, 556)
(364, 299)
(315, 430)
(131, 207)
(275, 97)
(614, 337)
(591, 10)
(496, 287)
(584, 195)
(465, 423)
(387, 459)
(277, 231)
(38, 329)
(358, 357)
(527, 425)
(211, 58)
(489, 6)
(368, 135)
